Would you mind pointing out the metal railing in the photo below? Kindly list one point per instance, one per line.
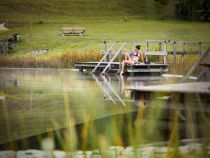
(161, 50)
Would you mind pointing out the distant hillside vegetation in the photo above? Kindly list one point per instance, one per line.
(57, 10)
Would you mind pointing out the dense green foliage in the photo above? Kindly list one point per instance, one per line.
(193, 10)
(64, 10)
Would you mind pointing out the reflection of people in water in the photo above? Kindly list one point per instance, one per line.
(127, 92)
(137, 100)
(133, 58)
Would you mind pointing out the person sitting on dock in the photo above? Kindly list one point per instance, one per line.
(132, 58)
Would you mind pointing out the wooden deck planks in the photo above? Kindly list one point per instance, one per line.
(195, 87)
(137, 68)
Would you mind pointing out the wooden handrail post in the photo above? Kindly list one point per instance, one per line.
(120, 60)
(147, 49)
(160, 48)
(165, 57)
(105, 49)
(174, 51)
(184, 48)
(199, 48)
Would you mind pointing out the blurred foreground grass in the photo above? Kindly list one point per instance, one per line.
(70, 109)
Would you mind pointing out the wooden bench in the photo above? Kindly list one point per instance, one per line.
(72, 30)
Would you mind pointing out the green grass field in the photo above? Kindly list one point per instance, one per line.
(47, 35)
(102, 20)
(65, 10)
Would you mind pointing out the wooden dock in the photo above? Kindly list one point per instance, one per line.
(131, 69)
(195, 87)
(114, 51)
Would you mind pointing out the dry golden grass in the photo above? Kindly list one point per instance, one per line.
(182, 64)
(64, 60)
(69, 58)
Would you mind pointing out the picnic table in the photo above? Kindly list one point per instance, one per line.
(72, 30)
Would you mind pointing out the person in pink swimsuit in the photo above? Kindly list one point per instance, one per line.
(132, 58)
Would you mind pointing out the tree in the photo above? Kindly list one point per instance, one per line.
(192, 10)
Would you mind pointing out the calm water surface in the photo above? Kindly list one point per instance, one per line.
(35, 103)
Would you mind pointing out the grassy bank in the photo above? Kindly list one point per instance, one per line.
(47, 35)
(65, 51)
(68, 59)
(40, 27)
(59, 60)
(62, 10)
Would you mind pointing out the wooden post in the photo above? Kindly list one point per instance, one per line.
(174, 51)
(199, 48)
(165, 57)
(110, 55)
(160, 48)
(3, 47)
(147, 49)
(105, 49)
(184, 48)
(120, 60)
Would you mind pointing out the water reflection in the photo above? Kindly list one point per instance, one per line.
(118, 93)
(90, 112)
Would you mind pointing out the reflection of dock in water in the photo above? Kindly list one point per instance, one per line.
(114, 87)
(159, 108)
(181, 107)
(108, 89)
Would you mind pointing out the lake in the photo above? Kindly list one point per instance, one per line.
(85, 112)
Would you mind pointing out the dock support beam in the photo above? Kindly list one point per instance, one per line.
(147, 48)
(105, 49)
(199, 61)
(165, 56)
(174, 51)
(160, 48)
(199, 48)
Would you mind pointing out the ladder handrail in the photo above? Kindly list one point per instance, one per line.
(113, 90)
(105, 91)
(102, 59)
(113, 58)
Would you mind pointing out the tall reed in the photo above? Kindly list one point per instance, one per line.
(59, 60)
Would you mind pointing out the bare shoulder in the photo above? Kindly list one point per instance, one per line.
(140, 51)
